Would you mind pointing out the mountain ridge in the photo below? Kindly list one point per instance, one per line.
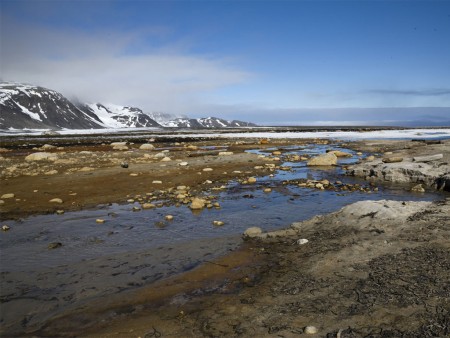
(24, 106)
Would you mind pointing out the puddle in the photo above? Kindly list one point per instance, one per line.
(132, 249)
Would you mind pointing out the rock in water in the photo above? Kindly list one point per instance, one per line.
(251, 180)
(197, 204)
(148, 206)
(124, 164)
(323, 160)
(252, 232)
(418, 188)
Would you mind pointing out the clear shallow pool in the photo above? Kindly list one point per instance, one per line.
(132, 249)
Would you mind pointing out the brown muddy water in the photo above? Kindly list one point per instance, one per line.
(132, 249)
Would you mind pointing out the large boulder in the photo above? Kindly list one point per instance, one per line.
(323, 160)
(41, 156)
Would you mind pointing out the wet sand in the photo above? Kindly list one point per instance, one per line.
(347, 279)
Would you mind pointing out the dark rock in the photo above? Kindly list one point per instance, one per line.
(54, 245)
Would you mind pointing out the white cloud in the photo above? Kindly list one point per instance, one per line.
(104, 67)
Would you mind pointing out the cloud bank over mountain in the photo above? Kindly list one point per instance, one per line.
(272, 62)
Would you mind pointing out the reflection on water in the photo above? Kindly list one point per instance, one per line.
(134, 248)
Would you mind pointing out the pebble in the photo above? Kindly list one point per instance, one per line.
(134, 174)
(166, 159)
(86, 169)
(5, 227)
(267, 190)
(56, 200)
(207, 169)
(218, 223)
(59, 212)
(54, 245)
(124, 164)
(136, 209)
(148, 206)
(183, 164)
(311, 330)
(157, 182)
(302, 241)
(168, 217)
(251, 180)
(5, 196)
(99, 221)
(418, 188)
(51, 172)
(393, 159)
(120, 147)
(147, 146)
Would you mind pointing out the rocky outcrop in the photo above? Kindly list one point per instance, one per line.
(432, 174)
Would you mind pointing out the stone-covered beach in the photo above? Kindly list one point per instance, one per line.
(378, 267)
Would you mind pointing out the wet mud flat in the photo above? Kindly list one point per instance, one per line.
(144, 286)
(364, 272)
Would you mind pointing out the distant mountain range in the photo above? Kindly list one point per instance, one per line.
(26, 106)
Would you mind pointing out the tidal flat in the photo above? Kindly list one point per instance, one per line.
(88, 247)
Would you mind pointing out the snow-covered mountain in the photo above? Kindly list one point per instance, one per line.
(208, 122)
(114, 116)
(27, 106)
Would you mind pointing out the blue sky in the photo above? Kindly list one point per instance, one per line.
(272, 62)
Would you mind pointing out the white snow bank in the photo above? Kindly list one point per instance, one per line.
(342, 135)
